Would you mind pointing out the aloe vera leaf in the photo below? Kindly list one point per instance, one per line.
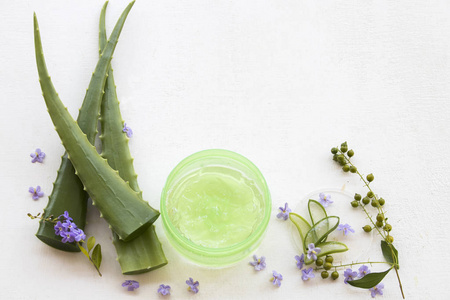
(319, 232)
(145, 252)
(302, 225)
(316, 212)
(127, 214)
(327, 248)
(68, 194)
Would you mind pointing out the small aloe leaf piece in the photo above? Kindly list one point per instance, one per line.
(302, 226)
(316, 211)
(97, 256)
(121, 207)
(327, 248)
(369, 281)
(90, 243)
(319, 232)
(387, 253)
(145, 252)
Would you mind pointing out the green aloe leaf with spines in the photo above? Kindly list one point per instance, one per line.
(127, 214)
(143, 253)
(302, 226)
(319, 232)
(68, 193)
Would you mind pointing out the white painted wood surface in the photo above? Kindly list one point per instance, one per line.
(280, 82)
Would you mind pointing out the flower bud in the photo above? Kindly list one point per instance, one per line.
(370, 177)
(366, 200)
(357, 197)
(346, 168)
(367, 228)
(379, 224)
(350, 153)
(375, 203)
(324, 274)
(319, 262)
(327, 266)
(353, 169)
(354, 203)
(370, 194)
(334, 150)
(335, 275)
(344, 147)
(329, 259)
(381, 201)
(380, 217)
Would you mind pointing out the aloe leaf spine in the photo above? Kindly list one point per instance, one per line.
(127, 214)
(145, 252)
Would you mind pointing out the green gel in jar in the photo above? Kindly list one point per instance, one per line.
(215, 207)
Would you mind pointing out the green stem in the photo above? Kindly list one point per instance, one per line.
(357, 263)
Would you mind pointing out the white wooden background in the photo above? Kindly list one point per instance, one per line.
(279, 81)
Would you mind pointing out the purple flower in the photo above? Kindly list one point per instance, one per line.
(127, 130)
(58, 228)
(36, 192)
(307, 274)
(378, 289)
(66, 216)
(193, 286)
(67, 236)
(349, 275)
(312, 252)
(131, 284)
(345, 228)
(69, 225)
(277, 277)
(325, 200)
(284, 212)
(38, 156)
(79, 235)
(258, 263)
(300, 260)
(164, 289)
(363, 271)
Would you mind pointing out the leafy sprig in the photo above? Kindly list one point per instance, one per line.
(380, 223)
(74, 235)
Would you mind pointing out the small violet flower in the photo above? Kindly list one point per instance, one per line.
(67, 236)
(131, 285)
(325, 200)
(127, 130)
(36, 192)
(66, 216)
(300, 260)
(68, 230)
(312, 252)
(193, 286)
(378, 289)
(363, 271)
(258, 263)
(284, 212)
(276, 279)
(79, 235)
(345, 228)
(349, 275)
(38, 156)
(58, 228)
(307, 274)
(164, 289)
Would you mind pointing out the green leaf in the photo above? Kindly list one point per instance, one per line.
(327, 248)
(83, 250)
(387, 253)
(319, 232)
(369, 281)
(97, 255)
(302, 226)
(316, 211)
(90, 243)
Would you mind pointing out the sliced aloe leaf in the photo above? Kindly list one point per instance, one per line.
(319, 232)
(302, 226)
(316, 211)
(327, 248)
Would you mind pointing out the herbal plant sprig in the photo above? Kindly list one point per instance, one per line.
(70, 233)
(343, 156)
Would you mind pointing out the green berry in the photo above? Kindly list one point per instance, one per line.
(367, 228)
(346, 168)
(354, 203)
(381, 201)
(366, 200)
(344, 147)
(370, 177)
(353, 169)
(335, 157)
(327, 266)
(375, 203)
(357, 197)
(334, 150)
(319, 262)
(390, 239)
(380, 217)
(324, 274)
(387, 227)
(370, 194)
(329, 259)
(335, 275)
(350, 153)
(379, 224)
